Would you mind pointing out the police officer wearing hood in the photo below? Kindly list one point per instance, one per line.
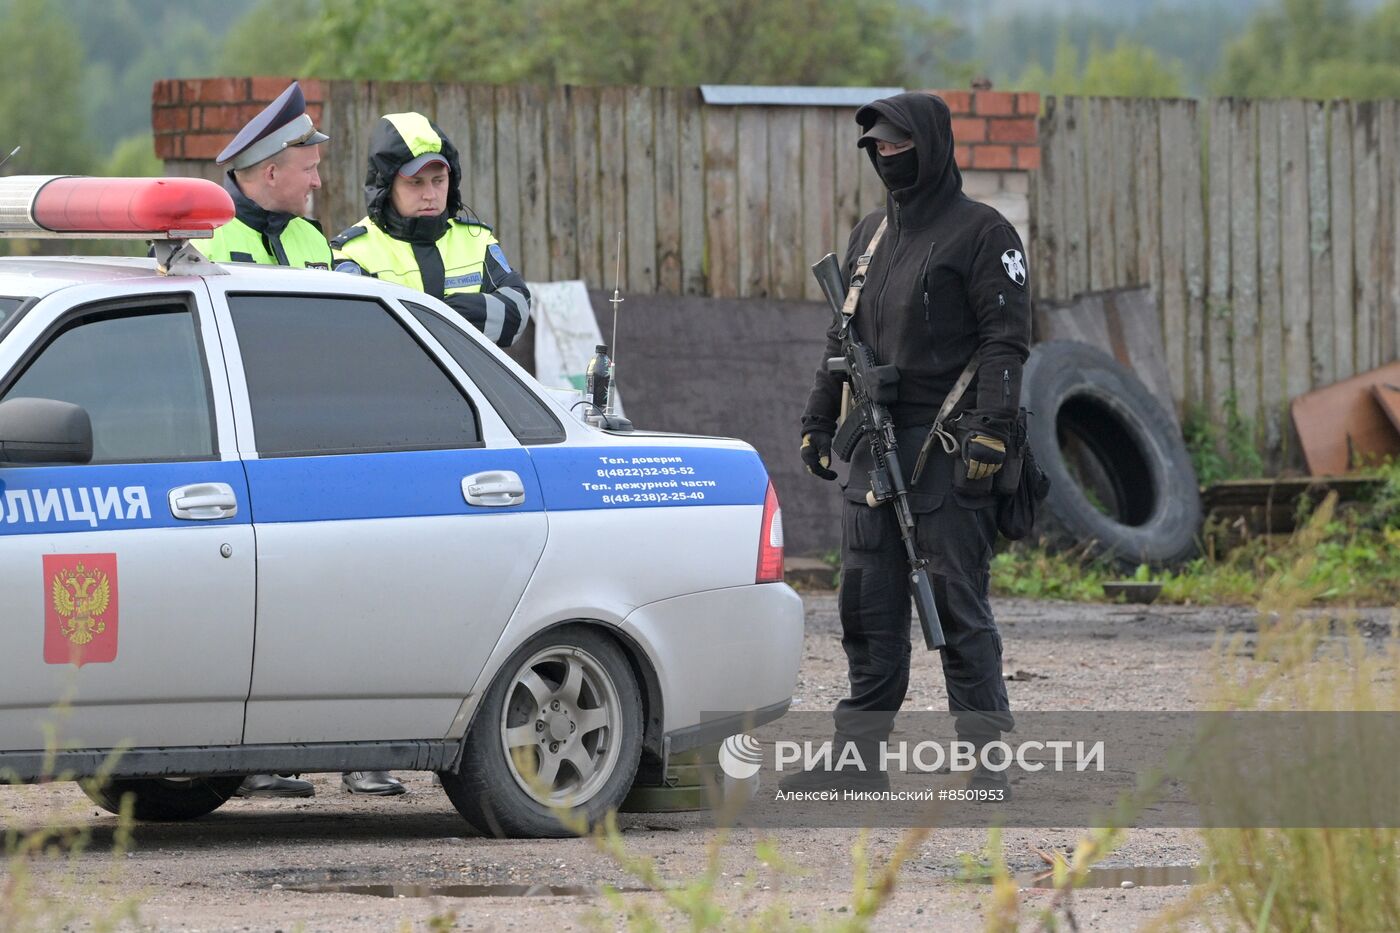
(946, 285)
(272, 170)
(418, 234)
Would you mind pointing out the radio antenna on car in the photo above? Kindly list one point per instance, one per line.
(617, 298)
(10, 156)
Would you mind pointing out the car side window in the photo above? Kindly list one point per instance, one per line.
(528, 418)
(140, 375)
(333, 375)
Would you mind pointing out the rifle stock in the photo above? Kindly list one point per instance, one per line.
(872, 385)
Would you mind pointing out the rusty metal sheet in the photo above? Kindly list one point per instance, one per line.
(1388, 395)
(1343, 426)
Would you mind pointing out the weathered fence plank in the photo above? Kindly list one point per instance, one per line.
(722, 201)
(508, 220)
(612, 161)
(1099, 179)
(850, 163)
(588, 209)
(1132, 192)
(1320, 328)
(1365, 135)
(1045, 228)
(753, 202)
(1218, 229)
(1385, 236)
(481, 119)
(1169, 283)
(534, 181)
(1075, 207)
(692, 182)
(1297, 255)
(562, 231)
(1268, 116)
(1244, 259)
(641, 191)
(1343, 243)
(1195, 231)
(1146, 203)
(668, 192)
(786, 272)
(818, 193)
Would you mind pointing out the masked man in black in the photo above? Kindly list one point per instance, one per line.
(947, 285)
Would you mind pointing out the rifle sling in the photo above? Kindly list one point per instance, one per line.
(852, 296)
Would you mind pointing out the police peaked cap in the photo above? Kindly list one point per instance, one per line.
(398, 140)
(282, 123)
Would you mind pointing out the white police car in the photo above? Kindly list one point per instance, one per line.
(256, 519)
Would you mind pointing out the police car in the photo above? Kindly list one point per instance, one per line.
(257, 519)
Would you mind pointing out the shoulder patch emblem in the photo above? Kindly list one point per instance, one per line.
(1015, 265)
(499, 255)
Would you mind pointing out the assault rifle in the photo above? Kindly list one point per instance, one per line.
(872, 388)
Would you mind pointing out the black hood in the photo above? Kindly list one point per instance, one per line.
(926, 118)
(389, 151)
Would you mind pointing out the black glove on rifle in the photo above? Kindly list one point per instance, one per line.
(816, 454)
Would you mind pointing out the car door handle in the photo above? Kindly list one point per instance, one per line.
(493, 488)
(203, 502)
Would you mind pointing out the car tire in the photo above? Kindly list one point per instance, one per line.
(569, 708)
(1122, 485)
(163, 799)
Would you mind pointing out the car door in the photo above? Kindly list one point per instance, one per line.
(397, 519)
(127, 581)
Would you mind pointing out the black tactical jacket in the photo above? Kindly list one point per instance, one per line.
(948, 280)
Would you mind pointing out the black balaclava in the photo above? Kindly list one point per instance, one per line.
(898, 171)
(936, 181)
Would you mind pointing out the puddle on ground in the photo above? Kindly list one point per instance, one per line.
(460, 890)
(1115, 877)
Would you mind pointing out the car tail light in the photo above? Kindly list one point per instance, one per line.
(770, 540)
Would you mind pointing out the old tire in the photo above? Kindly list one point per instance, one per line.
(1121, 481)
(559, 729)
(164, 799)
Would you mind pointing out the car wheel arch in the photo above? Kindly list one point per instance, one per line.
(651, 769)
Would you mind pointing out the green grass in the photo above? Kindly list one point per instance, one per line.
(1353, 555)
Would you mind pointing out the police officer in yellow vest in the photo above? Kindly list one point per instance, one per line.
(418, 234)
(271, 174)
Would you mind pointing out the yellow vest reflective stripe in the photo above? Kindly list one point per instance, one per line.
(462, 248)
(235, 241)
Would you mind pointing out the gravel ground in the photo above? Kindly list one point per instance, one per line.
(238, 868)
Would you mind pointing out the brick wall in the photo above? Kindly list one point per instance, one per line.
(995, 130)
(194, 118)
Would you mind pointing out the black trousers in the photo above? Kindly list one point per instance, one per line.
(876, 613)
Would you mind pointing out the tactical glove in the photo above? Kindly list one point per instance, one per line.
(984, 455)
(816, 453)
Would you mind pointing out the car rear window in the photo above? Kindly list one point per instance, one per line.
(528, 418)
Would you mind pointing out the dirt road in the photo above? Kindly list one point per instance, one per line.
(240, 868)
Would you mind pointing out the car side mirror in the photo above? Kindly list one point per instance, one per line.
(43, 430)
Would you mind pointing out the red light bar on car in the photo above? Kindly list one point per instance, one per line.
(44, 206)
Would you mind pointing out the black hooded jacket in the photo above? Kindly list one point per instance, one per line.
(949, 280)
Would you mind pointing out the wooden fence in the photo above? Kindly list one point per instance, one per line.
(1268, 229)
(724, 201)
(721, 201)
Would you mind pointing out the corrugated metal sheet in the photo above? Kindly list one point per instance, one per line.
(750, 94)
